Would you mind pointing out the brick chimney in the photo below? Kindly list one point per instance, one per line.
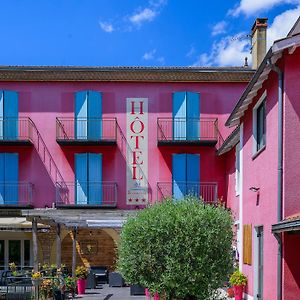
(259, 41)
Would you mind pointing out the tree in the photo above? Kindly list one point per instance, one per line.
(178, 248)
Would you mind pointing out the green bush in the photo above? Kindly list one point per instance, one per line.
(178, 248)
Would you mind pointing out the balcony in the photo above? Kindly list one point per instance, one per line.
(207, 191)
(15, 131)
(86, 131)
(86, 194)
(15, 194)
(182, 131)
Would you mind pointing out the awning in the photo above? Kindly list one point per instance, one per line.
(291, 223)
(230, 142)
(81, 218)
(18, 224)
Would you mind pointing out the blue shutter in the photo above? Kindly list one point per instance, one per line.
(179, 175)
(11, 114)
(193, 174)
(2, 178)
(11, 175)
(193, 116)
(81, 105)
(179, 116)
(95, 178)
(81, 178)
(94, 115)
(1, 113)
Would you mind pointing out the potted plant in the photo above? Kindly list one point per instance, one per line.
(81, 273)
(36, 278)
(46, 289)
(230, 292)
(70, 285)
(13, 269)
(238, 280)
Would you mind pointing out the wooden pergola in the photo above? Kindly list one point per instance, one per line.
(73, 219)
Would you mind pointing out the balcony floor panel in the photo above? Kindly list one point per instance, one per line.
(207, 143)
(15, 143)
(73, 142)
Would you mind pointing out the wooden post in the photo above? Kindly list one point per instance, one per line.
(74, 251)
(58, 246)
(35, 245)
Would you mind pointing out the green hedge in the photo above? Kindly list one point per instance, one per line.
(180, 248)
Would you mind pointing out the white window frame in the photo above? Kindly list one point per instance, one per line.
(237, 170)
(6, 240)
(254, 123)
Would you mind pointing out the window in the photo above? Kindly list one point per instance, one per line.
(237, 169)
(186, 116)
(9, 110)
(88, 114)
(186, 175)
(88, 174)
(259, 124)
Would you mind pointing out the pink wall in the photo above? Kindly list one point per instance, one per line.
(261, 172)
(232, 198)
(44, 101)
(291, 169)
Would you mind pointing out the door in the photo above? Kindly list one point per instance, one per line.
(88, 115)
(88, 178)
(260, 238)
(9, 177)
(186, 116)
(9, 113)
(186, 175)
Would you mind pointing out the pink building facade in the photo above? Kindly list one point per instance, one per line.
(268, 118)
(83, 148)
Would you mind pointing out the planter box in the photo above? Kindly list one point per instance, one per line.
(115, 279)
(137, 290)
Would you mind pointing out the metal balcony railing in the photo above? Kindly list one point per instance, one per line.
(99, 194)
(15, 129)
(187, 130)
(86, 129)
(16, 194)
(207, 191)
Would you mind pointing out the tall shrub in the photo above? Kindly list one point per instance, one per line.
(178, 248)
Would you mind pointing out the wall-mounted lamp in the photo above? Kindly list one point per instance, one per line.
(254, 189)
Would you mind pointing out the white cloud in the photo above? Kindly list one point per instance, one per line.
(281, 25)
(252, 7)
(191, 52)
(226, 52)
(219, 28)
(147, 14)
(107, 27)
(161, 60)
(232, 52)
(149, 55)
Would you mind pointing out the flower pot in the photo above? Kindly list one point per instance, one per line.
(230, 292)
(238, 292)
(81, 283)
(156, 296)
(36, 282)
(147, 294)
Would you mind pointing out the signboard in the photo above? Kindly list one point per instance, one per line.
(137, 151)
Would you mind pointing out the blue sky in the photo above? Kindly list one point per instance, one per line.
(136, 32)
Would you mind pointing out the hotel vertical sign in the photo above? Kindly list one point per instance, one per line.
(137, 151)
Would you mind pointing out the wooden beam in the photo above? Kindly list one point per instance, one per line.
(35, 245)
(58, 246)
(74, 251)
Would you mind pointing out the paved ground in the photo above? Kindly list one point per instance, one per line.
(108, 293)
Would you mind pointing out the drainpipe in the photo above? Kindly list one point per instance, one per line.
(279, 175)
